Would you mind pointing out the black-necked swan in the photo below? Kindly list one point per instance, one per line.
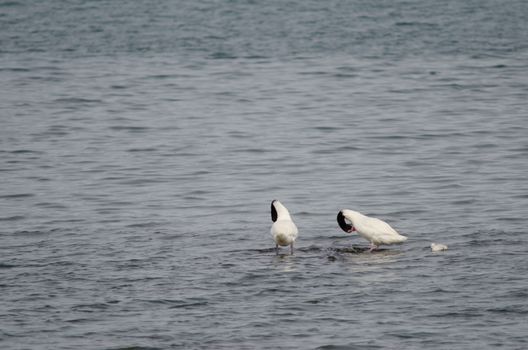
(283, 230)
(374, 230)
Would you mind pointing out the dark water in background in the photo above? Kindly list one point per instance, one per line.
(142, 142)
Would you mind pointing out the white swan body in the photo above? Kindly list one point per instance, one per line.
(438, 247)
(283, 230)
(374, 230)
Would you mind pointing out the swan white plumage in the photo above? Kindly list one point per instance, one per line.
(283, 230)
(438, 247)
(374, 230)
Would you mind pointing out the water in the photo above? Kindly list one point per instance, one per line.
(141, 144)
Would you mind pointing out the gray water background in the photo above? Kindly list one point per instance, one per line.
(141, 144)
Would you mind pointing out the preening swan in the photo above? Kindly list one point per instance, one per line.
(283, 230)
(374, 230)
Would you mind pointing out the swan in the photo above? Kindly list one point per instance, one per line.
(283, 230)
(374, 230)
(438, 247)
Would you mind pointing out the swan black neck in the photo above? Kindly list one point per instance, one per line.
(342, 223)
(273, 212)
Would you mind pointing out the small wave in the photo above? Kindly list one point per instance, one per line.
(520, 309)
(10, 4)
(143, 224)
(189, 305)
(352, 250)
(14, 69)
(162, 76)
(222, 56)
(33, 233)
(7, 266)
(78, 320)
(25, 151)
(13, 218)
(17, 195)
(348, 148)
(344, 76)
(90, 307)
(257, 57)
(131, 129)
(412, 24)
(177, 303)
(50, 205)
(316, 73)
(255, 150)
(265, 250)
(347, 347)
(326, 128)
(316, 249)
(147, 149)
(134, 347)
(456, 314)
(76, 100)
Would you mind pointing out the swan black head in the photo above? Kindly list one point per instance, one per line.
(342, 223)
(273, 211)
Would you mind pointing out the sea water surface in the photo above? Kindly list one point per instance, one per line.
(141, 144)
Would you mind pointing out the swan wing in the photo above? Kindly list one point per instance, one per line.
(378, 231)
